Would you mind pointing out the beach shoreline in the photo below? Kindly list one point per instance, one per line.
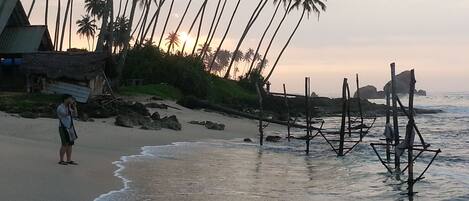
(29, 152)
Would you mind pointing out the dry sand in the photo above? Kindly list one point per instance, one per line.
(29, 153)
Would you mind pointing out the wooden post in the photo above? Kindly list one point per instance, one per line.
(348, 112)
(388, 121)
(288, 111)
(360, 109)
(410, 134)
(261, 115)
(308, 121)
(397, 162)
(342, 125)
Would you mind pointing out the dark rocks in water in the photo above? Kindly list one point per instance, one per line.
(197, 122)
(272, 138)
(171, 122)
(155, 116)
(403, 84)
(369, 92)
(153, 125)
(247, 140)
(29, 115)
(156, 105)
(421, 93)
(214, 126)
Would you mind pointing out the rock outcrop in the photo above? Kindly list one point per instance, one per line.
(369, 92)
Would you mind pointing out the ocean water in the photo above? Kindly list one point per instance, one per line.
(233, 170)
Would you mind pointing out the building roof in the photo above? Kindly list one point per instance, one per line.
(12, 14)
(25, 39)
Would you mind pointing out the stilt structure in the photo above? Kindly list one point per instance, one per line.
(399, 146)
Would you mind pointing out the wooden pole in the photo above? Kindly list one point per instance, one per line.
(388, 121)
(288, 111)
(397, 161)
(342, 125)
(261, 115)
(360, 109)
(348, 112)
(308, 119)
(410, 133)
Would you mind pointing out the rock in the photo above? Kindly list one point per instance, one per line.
(369, 92)
(153, 125)
(156, 98)
(197, 122)
(155, 116)
(402, 84)
(271, 138)
(29, 115)
(421, 93)
(156, 105)
(171, 122)
(125, 121)
(247, 140)
(214, 126)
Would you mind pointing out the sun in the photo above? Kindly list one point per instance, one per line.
(184, 37)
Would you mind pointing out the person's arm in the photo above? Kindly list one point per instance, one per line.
(74, 110)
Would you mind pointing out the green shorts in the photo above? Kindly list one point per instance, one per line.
(65, 137)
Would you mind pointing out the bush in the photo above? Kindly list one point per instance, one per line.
(162, 90)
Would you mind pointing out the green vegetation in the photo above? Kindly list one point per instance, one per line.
(162, 90)
(14, 103)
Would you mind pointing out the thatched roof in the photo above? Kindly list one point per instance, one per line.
(55, 65)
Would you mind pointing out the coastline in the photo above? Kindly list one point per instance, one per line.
(28, 151)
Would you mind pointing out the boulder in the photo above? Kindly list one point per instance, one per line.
(403, 84)
(271, 138)
(153, 125)
(421, 93)
(247, 140)
(171, 122)
(369, 92)
(155, 116)
(156, 105)
(214, 126)
(197, 122)
(125, 121)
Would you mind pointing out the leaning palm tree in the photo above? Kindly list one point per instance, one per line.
(172, 40)
(87, 28)
(253, 18)
(201, 9)
(201, 54)
(123, 56)
(199, 29)
(166, 22)
(31, 8)
(57, 26)
(121, 27)
(248, 56)
(154, 20)
(95, 8)
(224, 36)
(309, 6)
(182, 20)
(64, 25)
(263, 36)
(209, 42)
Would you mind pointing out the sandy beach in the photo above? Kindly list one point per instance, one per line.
(29, 152)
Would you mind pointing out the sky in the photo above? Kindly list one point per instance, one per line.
(352, 36)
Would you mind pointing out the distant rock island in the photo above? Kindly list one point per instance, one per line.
(402, 87)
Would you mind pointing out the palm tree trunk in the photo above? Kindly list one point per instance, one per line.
(214, 29)
(64, 25)
(70, 26)
(119, 10)
(285, 46)
(110, 41)
(202, 53)
(262, 38)
(193, 24)
(200, 28)
(125, 8)
(57, 27)
(121, 64)
(224, 37)
(253, 18)
(138, 23)
(31, 8)
(156, 16)
(47, 12)
(182, 20)
(273, 36)
(103, 31)
(139, 39)
(166, 23)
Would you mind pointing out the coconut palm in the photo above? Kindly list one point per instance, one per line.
(46, 12)
(193, 24)
(64, 25)
(222, 60)
(201, 54)
(57, 26)
(121, 63)
(253, 18)
(199, 29)
(224, 36)
(263, 35)
(140, 36)
(216, 25)
(182, 20)
(166, 22)
(173, 40)
(248, 56)
(86, 28)
(96, 8)
(121, 27)
(70, 26)
(308, 6)
(239, 56)
(154, 20)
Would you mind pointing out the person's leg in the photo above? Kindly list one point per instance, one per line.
(62, 151)
(69, 153)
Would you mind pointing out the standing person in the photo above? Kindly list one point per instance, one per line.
(65, 112)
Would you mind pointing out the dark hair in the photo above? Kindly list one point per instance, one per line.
(66, 96)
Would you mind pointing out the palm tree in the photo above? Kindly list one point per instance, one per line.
(95, 8)
(215, 28)
(263, 36)
(121, 63)
(46, 13)
(70, 26)
(182, 19)
(172, 40)
(309, 6)
(166, 22)
(236, 59)
(287, 10)
(154, 19)
(87, 28)
(64, 24)
(31, 8)
(222, 60)
(224, 36)
(199, 28)
(210, 30)
(253, 18)
(141, 32)
(57, 27)
(193, 24)
(248, 57)
(121, 27)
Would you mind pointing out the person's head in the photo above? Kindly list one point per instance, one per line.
(67, 99)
